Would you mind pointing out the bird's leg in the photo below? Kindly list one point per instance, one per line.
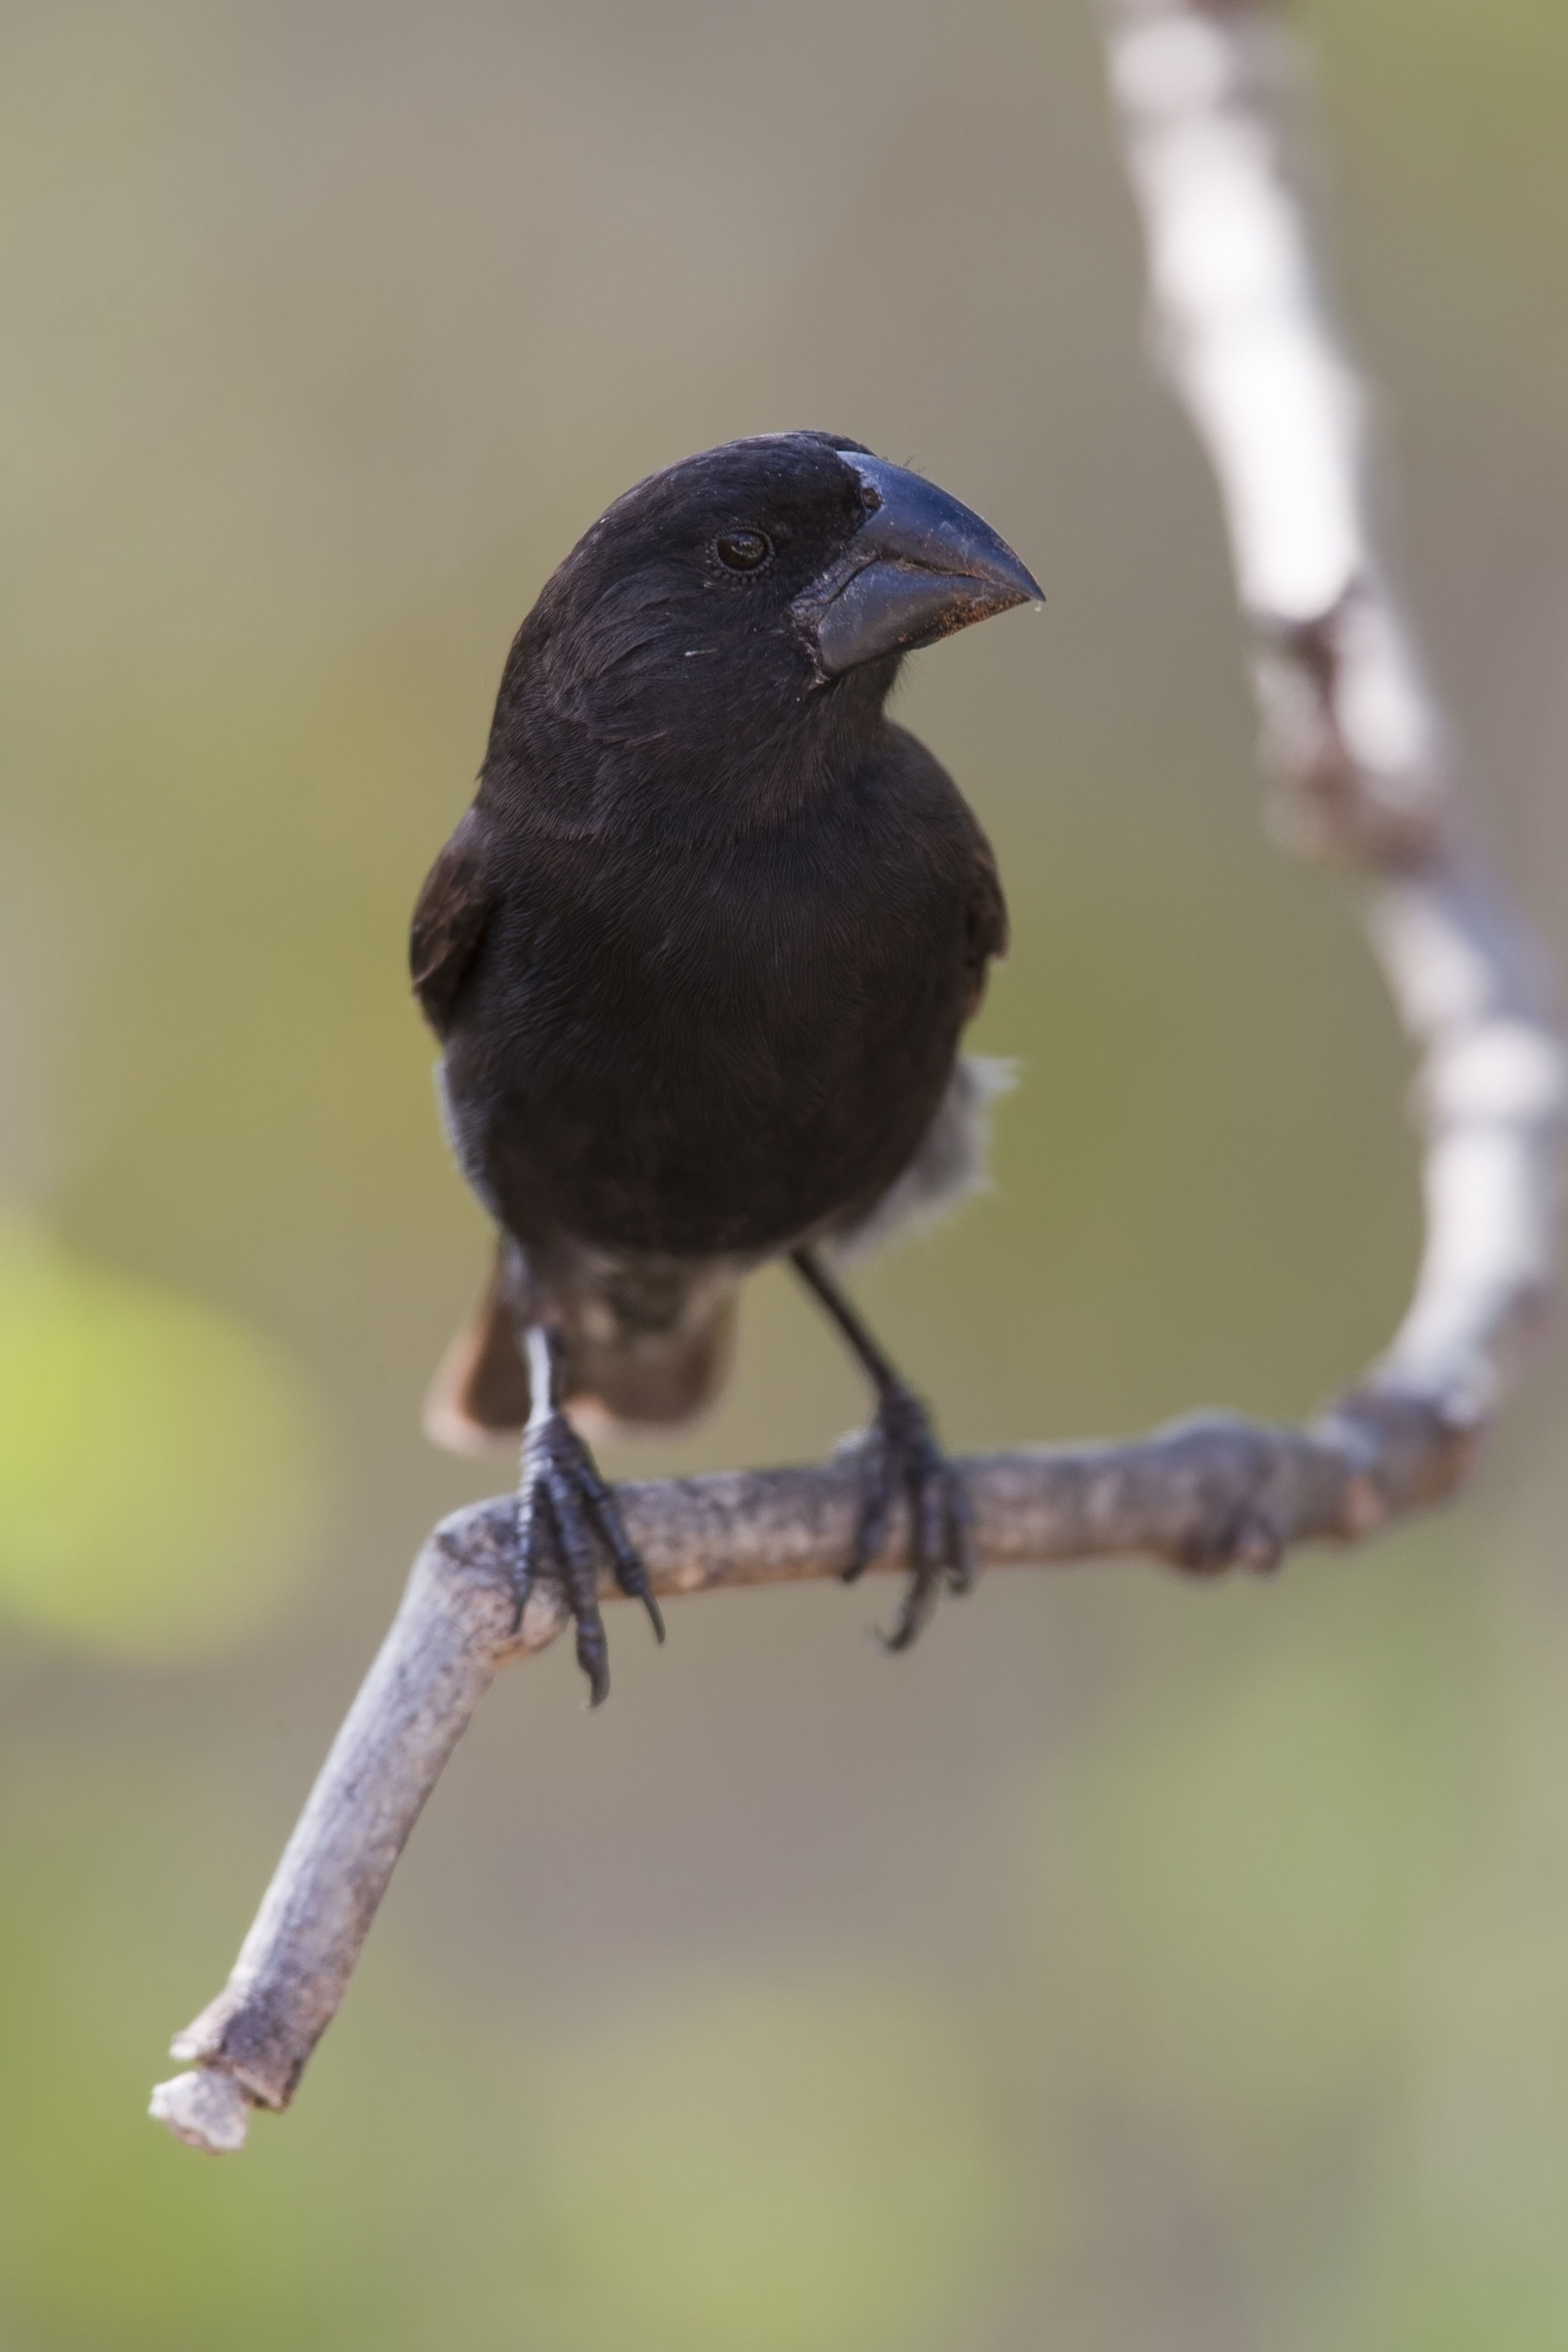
(900, 1452)
(566, 1515)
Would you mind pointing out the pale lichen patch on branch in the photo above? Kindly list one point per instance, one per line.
(1200, 90)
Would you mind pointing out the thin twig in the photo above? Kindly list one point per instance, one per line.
(1200, 89)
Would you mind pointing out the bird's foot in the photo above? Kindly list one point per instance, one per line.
(567, 1520)
(899, 1456)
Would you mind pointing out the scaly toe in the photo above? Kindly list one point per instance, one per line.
(567, 1515)
(900, 1455)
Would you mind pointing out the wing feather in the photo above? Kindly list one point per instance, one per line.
(450, 919)
(986, 918)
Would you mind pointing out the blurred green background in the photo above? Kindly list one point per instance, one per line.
(1138, 1964)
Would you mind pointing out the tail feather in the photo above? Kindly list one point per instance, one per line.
(623, 1370)
(480, 1395)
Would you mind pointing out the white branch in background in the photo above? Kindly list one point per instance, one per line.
(1351, 725)
(1202, 94)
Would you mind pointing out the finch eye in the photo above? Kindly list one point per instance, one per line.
(743, 550)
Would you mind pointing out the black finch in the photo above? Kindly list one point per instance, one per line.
(700, 956)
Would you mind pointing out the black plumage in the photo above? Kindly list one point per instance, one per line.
(699, 955)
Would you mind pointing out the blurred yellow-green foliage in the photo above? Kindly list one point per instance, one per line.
(155, 1459)
(1137, 1965)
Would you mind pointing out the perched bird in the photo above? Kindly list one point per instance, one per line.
(699, 957)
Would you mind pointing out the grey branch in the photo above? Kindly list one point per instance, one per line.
(1349, 723)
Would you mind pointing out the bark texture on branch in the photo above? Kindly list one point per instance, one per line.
(1200, 94)
(1204, 1495)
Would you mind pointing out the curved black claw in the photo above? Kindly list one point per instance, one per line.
(900, 1454)
(567, 1516)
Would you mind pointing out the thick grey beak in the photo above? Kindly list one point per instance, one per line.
(919, 567)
